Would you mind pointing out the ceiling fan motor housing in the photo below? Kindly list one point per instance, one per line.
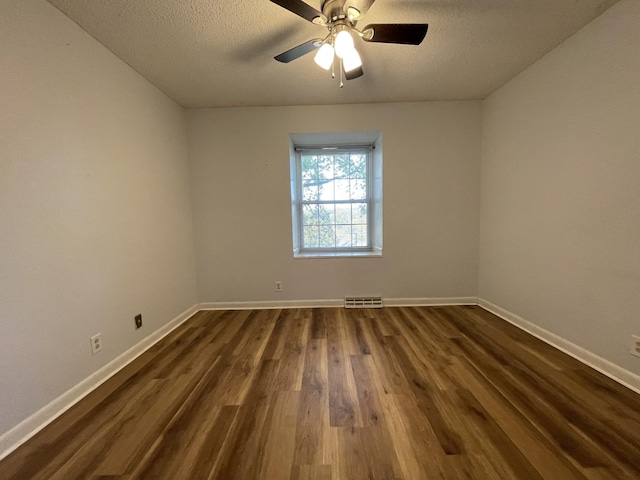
(334, 10)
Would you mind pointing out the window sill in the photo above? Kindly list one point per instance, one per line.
(377, 253)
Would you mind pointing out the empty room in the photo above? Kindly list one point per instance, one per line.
(333, 240)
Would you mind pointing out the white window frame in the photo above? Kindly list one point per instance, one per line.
(338, 141)
(368, 151)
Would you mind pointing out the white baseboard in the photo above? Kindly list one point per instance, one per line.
(268, 304)
(429, 302)
(611, 370)
(26, 429)
(335, 302)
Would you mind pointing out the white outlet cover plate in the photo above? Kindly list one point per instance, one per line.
(96, 343)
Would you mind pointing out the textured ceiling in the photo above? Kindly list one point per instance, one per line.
(214, 53)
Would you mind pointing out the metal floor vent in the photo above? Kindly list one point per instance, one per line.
(363, 302)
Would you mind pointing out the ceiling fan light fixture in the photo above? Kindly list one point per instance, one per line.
(353, 13)
(343, 43)
(352, 60)
(324, 56)
(340, 18)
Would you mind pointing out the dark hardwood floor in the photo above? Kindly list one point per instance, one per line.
(395, 393)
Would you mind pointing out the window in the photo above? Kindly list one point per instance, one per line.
(334, 200)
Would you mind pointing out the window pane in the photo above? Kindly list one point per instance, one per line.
(309, 190)
(325, 166)
(327, 237)
(309, 166)
(326, 214)
(343, 235)
(343, 214)
(342, 189)
(359, 213)
(341, 166)
(359, 235)
(358, 168)
(326, 190)
(358, 189)
(310, 214)
(310, 237)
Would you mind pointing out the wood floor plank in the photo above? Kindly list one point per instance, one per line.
(343, 410)
(136, 434)
(187, 430)
(275, 345)
(239, 452)
(537, 449)
(357, 456)
(355, 341)
(332, 394)
(384, 317)
(368, 398)
(429, 400)
(252, 340)
(200, 442)
(92, 451)
(313, 414)
(391, 373)
(369, 390)
(311, 472)
(500, 448)
(293, 354)
(319, 323)
(276, 447)
(424, 356)
(414, 444)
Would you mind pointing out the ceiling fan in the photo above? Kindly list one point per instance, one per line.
(340, 17)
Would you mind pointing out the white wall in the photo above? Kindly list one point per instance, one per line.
(239, 161)
(560, 228)
(95, 222)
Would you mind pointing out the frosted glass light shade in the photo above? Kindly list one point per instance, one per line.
(344, 43)
(324, 56)
(353, 13)
(352, 60)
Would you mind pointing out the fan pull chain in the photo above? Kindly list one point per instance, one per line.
(341, 74)
(333, 69)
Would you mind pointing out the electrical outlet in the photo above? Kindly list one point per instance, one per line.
(636, 345)
(96, 343)
(278, 286)
(138, 320)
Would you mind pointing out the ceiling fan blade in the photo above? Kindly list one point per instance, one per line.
(355, 73)
(303, 10)
(299, 51)
(405, 33)
(356, 8)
